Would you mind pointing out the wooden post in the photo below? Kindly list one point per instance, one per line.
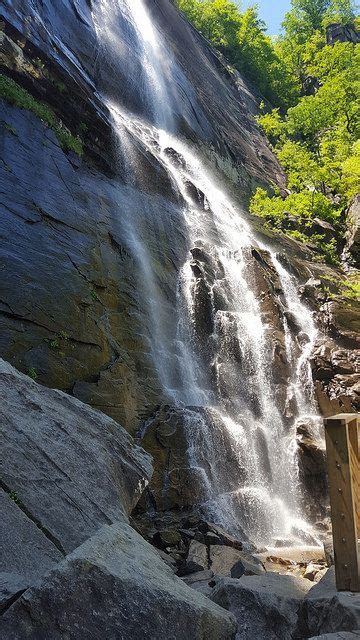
(342, 448)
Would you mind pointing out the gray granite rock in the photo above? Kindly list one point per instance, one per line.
(25, 550)
(327, 610)
(224, 560)
(114, 586)
(266, 607)
(66, 470)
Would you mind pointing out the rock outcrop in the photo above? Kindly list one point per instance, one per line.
(71, 566)
(71, 226)
(115, 586)
(342, 33)
(352, 246)
(280, 607)
(266, 607)
(66, 471)
(336, 360)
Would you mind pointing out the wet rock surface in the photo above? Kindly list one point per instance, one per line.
(178, 482)
(72, 247)
(312, 471)
(79, 241)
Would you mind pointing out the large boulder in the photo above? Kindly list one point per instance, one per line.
(223, 560)
(66, 471)
(266, 607)
(327, 610)
(114, 586)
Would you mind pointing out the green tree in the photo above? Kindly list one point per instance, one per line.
(311, 12)
(242, 39)
(313, 124)
(340, 11)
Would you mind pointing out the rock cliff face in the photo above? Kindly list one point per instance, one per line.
(77, 313)
(65, 222)
(94, 247)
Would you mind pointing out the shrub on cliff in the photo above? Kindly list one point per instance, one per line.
(18, 96)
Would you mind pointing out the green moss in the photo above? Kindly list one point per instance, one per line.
(16, 95)
(13, 496)
(60, 341)
(351, 288)
(10, 129)
(32, 373)
(54, 344)
(94, 295)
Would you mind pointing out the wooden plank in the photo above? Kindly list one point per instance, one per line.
(342, 417)
(341, 433)
(354, 432)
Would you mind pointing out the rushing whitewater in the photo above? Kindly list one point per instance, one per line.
(220, 372)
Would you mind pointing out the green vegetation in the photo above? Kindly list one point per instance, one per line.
(16, 95)
(241, 38)
(10, 128)
(58, 343)
(32, 373)
(14, 496)
(94, 295)
(313, 119)
(351, 288)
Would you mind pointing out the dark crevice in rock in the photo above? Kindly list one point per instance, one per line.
(36, 522)
(21, 318)
(8, 603)
(46, 217)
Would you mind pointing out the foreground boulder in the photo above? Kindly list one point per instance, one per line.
(115, 586)
(66, 471)
(266, 607)
(284, 607)
(327, 610)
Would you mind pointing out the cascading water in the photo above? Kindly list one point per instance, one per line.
(220, 360)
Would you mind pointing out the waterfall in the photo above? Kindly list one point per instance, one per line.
(155, 60)
(219, 366)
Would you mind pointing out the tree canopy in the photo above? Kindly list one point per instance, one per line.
(310, 110)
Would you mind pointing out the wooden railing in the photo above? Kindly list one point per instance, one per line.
(342, 449)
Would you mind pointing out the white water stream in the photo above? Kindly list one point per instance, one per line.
(233, 380)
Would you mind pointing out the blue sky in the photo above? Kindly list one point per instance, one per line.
(271, 11)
